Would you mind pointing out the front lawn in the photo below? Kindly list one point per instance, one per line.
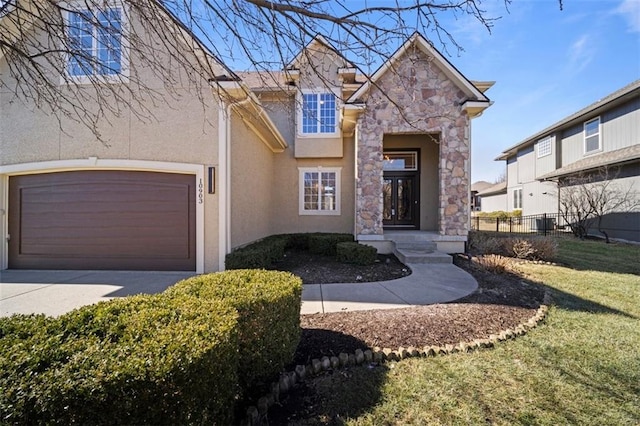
(581, 366)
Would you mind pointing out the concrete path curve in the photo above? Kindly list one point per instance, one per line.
(57, 292)
(428, 284)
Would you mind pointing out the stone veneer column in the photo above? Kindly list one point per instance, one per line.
(414, 97)
(369, 200)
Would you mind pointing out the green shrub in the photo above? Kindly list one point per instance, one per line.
(262, 253)
(136, 360)
(326, 244)
(499, 214)
(268, 303)
(352, 252)
(258, 255)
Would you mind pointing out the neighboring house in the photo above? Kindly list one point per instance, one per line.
(265, 153)
(494, 198)
(477, 187)
(604, 134)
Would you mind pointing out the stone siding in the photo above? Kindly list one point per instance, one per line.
(413, 97)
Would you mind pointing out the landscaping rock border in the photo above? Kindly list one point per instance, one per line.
(256, 414)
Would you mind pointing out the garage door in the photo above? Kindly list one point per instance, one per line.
(102, 220)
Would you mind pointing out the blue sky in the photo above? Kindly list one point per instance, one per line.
(547, 64)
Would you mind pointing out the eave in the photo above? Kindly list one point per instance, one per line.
(238, 96)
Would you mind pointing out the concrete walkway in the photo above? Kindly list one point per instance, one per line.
(57, 292)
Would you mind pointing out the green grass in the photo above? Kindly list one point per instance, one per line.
(581, 366)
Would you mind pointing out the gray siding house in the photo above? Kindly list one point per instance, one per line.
(604, 134)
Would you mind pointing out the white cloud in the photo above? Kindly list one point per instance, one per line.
(581, 53)
(630, 11)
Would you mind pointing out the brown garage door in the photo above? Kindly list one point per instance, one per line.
(102, 220)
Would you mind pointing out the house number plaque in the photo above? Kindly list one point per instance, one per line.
(200, 192)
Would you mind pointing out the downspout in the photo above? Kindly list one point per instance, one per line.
(469, 180)
(356, 179)
(223, 186)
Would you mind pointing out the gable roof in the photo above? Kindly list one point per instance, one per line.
(592, 110)
(317, 40)
(498, 188)
(440, 61)
(480, 185)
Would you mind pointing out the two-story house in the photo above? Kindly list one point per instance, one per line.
(603, 134)
(237, 157)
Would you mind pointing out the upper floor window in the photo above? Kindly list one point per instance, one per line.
(95, 37)
(319, 113)
(592, 136)
(544, 147)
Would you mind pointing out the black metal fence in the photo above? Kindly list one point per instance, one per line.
(543, 224)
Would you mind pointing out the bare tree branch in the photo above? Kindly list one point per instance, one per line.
(258, 35)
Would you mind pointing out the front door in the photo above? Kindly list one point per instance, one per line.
(400, 193)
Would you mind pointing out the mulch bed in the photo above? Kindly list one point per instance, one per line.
(502, 301)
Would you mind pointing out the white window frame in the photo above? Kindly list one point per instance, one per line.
(517, 199)
(545, 147)
(337, 191)
(598, 134)
(123, 75)
(300, 120)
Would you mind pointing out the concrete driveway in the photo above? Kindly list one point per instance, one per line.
(57, 292)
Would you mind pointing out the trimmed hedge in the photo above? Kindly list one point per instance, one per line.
(137, 360)
(352, 252)
(258, 255)
(326, 244)
(268, 303)
(261, 254)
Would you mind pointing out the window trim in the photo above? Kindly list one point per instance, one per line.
(338, 191)
(300, 118)
(599, 135)
(544, 153)
(123, 75)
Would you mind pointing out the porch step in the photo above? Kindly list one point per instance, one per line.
(420, 253)
(424, 246)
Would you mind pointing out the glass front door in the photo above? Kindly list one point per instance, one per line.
(400, 200)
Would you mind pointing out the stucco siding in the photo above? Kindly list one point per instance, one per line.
(143, 125)
(285, 215)
(252, 182)
(282, 111)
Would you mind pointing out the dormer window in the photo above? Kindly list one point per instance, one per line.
(319, 114)
(96, 40)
